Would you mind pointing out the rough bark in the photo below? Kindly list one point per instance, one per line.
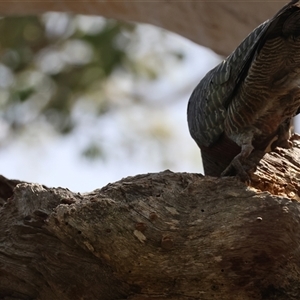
(219, 25)
(161, 236)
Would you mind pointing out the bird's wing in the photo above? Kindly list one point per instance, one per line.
(209, 101)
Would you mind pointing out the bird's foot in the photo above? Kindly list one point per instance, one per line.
(285, 144)
(236, 163)
(236, 167)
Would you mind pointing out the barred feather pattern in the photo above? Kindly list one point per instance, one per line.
(270, 93)
(208, 102)
(250, 97)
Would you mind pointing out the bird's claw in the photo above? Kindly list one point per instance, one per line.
(237, 166)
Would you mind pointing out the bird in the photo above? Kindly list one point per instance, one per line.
(247, 102)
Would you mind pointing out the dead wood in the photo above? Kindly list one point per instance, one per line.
(156, 236)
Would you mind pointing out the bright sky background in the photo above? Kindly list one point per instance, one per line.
(55, 161)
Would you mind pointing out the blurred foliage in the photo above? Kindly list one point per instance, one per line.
(50, 62)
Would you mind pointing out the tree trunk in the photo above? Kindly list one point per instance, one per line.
(219, 25)
(156, 236)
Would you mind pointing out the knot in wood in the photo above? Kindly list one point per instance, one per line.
(140, 226)
(167, 242)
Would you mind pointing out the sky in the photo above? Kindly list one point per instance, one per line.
(55, 161)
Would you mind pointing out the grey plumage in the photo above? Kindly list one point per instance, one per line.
(248, 100)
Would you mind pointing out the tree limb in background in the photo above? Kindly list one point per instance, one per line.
(219, 25)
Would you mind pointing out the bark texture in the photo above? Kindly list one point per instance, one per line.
(219, 25)
(156, 236)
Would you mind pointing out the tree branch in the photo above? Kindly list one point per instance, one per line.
(219, 25)
(162, 236)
